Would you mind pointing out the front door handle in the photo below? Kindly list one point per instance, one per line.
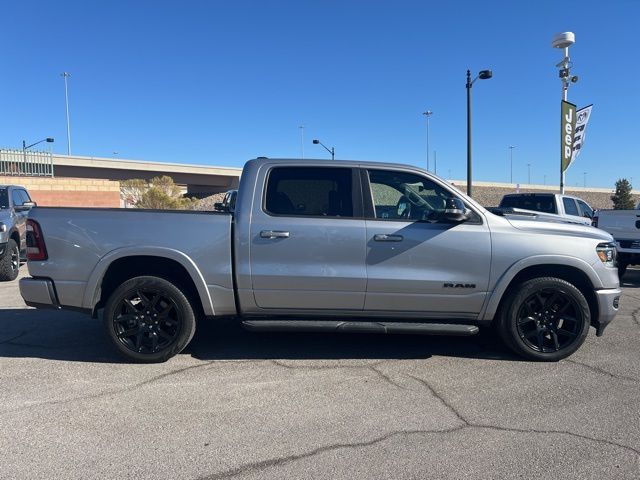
(273, 234)
(383, 237)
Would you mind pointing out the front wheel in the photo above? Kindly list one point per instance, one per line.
(10, 262)
(149, 320)
(545, 319)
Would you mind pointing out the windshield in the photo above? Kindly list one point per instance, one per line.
(539, 203)
(4, 199)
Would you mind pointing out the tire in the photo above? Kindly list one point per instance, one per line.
(622, 268)
(149, 320)
(545, 319)
(10, 262)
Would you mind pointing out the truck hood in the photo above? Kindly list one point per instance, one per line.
(553, 228)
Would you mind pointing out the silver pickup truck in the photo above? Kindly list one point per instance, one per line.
(326, 246)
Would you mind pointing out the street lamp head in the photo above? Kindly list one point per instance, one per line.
(428, 113)
(49, 140)
(315, 142)
(563, 40)
(485, 74)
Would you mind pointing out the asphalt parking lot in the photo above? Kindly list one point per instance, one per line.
(248, 405)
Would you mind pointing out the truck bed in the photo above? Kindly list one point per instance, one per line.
(82, 242)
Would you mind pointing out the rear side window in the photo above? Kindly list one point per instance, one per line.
(538, 203)
(310, 191)
(570, 206)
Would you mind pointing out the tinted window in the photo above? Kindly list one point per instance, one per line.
(585, 210)
(401, 195)
(4, 198)
(570, 206)
(312, 191)
(538, 203)
(17, 198)
(25, 196)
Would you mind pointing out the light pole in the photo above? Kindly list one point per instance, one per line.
(301, 127)
(483, 75)
(529, 174)
(435, 162)
(25, 147)
(427, 114)
(545, 179)
(511, 147)
(564, 41)
(66, 75)
(331, 150)
(584, 180)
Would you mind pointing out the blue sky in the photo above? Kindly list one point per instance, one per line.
(217, 83)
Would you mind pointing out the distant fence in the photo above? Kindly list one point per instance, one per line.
(26, 163)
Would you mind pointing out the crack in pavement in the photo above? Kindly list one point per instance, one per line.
(8, 341)
(465, 424)
(602, 371)
(635, 316)
(370, 366)
(273, 462)
(107, 393)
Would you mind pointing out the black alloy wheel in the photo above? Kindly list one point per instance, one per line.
(10, 262)
(146, 321)
(544, 319)
(149, 319)
(549, 320)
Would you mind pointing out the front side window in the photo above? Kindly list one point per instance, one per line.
(585, 210)
(310, 191)
(406, 196)
(17, 198)
(570, 206)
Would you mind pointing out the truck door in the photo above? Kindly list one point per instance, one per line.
(416, 262)
(19, 197)
(308, 239)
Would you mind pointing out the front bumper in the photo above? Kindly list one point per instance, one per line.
(608, 303)
(39, 293)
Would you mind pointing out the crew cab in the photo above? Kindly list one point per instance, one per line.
(325, 246)
(15, 204)
(624, 225)
(550, 207)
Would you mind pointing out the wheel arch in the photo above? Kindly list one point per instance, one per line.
(123, 264)
(573, 270)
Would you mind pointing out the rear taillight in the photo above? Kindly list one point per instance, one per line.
(594, 221)
(36, 249)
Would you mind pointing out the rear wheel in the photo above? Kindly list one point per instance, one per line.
(10, 262)
(149, 320)
(545, 319)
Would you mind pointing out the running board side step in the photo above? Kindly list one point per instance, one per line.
(360, 327)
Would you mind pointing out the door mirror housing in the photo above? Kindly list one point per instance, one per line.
(25, 206)
(455, 211)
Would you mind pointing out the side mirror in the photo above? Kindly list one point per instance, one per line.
(455, 211)
(25, 206)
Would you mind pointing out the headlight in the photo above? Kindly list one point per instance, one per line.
(607, 254)
(3, 227)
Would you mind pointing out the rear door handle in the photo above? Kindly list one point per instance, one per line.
(273, 234)
(383, 237)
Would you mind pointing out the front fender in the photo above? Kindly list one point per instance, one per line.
(492, 303)
(91, 293)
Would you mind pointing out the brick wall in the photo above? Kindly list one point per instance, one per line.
(68, 192)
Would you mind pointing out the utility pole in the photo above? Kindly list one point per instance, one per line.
(427, 114)
(435, 162)
(529, 177)
(511, 147)
(301, 127)
(66, 75)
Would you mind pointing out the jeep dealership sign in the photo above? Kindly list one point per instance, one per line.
(567, 129)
